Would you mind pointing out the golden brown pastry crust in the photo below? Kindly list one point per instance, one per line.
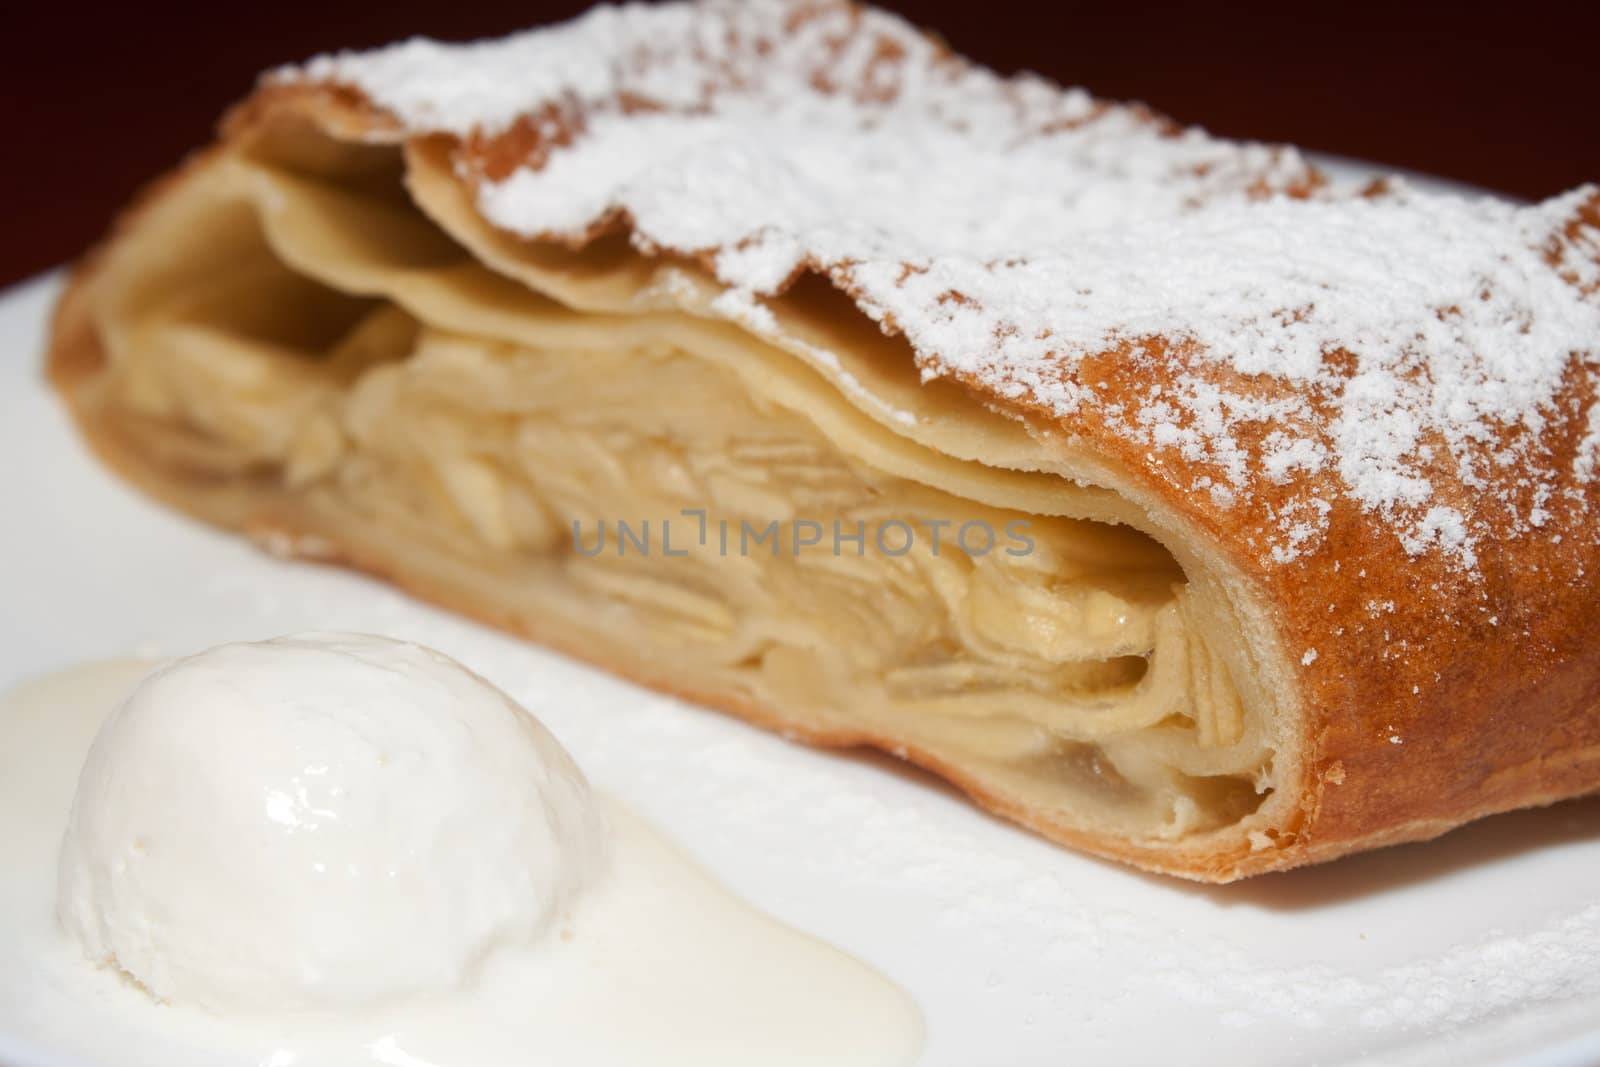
(1466, 694)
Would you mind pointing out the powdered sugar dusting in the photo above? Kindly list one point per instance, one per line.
(1015, 232)
(1584, 467)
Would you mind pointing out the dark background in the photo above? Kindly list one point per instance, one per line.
(98, 100)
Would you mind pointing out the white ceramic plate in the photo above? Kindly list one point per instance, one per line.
(1483, 947)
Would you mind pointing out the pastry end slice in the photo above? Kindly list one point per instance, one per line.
(1168, 498)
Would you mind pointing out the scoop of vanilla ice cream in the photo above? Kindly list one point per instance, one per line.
(320, 822)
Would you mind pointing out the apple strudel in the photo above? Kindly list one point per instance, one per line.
(1171, 499)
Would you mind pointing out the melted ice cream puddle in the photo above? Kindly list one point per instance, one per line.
(652, 962)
